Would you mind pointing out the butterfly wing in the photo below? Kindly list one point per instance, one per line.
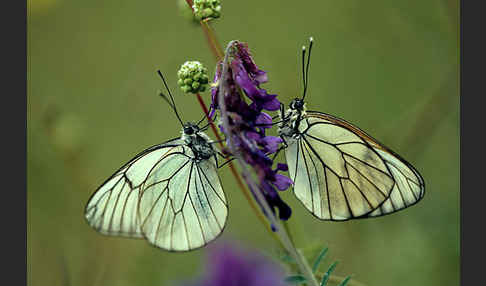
(112, 209)
(182, 207)
(340, 172)
(164, 196)
(409, 185)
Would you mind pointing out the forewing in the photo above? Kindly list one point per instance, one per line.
(340, 172)
(184, 209)
(408, 189)
(112, 209)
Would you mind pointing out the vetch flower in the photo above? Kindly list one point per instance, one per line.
(206, 9)
(193, 77)
(229, 265)
(245, 103)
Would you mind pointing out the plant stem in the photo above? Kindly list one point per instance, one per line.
(189, 2)
(280, 235)
(210, 36)
(279, 229)
(213, 42)
(219, 54)
(287, 229)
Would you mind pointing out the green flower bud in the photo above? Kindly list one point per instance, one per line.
(206, 9)
(187, 81)
(186, 89)
(193, 77)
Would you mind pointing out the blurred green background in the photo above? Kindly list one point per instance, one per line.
(390, 67)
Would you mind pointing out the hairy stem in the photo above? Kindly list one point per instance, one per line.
(279, 229)
(280, 235)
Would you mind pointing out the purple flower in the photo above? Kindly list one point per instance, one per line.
(245, 102)
(231, 266)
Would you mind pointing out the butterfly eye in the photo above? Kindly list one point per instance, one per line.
(188, 130)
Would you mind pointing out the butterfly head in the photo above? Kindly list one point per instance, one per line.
(296, 111)
(192, 134)
(297, 104)
(190, 129)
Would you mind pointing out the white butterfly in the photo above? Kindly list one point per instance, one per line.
(170, 194)
(339, 171)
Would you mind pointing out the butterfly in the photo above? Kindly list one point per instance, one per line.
(339, 171)
(169, 194)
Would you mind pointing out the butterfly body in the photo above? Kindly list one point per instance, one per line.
(198, 142)
(291, 120)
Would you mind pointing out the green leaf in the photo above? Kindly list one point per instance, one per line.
(325, 278)
(295, 279)
(319, 259)
(287, 259)
(345, 281)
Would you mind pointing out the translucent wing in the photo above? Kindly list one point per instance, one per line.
(182, 207)
(340, 172)
(163, 195)
(112, 209)
(409, 186)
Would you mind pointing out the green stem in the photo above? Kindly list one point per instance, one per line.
(279, 229)
(282, 237)
(287, 229)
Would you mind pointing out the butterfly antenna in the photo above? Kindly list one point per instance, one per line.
(202, 119)
(311, 40)
(303, 70)
(164, 97)
(172, 102)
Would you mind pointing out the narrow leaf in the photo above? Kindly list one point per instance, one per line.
(295, 279)
(319, 259)
(325, 278)
(345, 281)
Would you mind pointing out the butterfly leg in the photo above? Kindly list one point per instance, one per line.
(205, 127)
(226, 162)
(285, 145)
(224, 156)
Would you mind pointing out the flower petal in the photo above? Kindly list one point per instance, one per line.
(271, 105)
(271, 143)
(264, 120)
(282, 182)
